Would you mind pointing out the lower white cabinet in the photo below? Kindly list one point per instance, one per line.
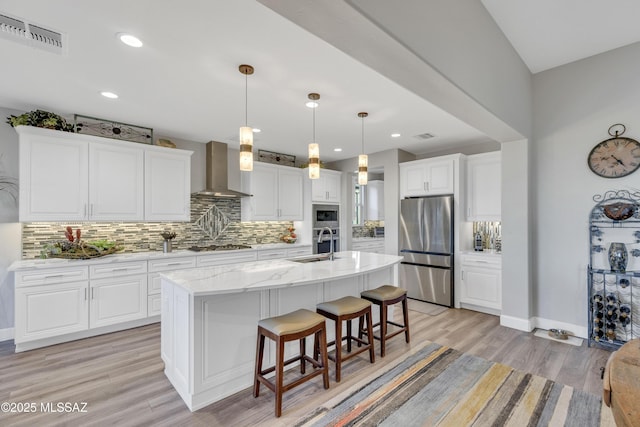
(118, 300)
(44, 311)
(375, 246)
(154, 301)
(482, 283)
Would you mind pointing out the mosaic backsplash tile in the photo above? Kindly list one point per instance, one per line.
(208, 225)
(367, 229)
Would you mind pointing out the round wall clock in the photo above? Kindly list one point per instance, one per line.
(615, 157)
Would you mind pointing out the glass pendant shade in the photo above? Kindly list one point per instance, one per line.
(246, 149)
(363, 163)
(314, 161)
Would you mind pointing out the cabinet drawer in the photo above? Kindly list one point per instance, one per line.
(223, 259)
(272, 254)
(48, 276)
(171, 264)
(299, 251)
(118, 269)
(488, 261)
(154, 305)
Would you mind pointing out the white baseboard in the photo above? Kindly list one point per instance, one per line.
(516, 323)
(576, 330)
(6, 334)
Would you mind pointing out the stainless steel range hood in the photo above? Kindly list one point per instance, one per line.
(217, 178)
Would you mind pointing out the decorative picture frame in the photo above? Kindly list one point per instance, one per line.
(276, 158)
(111, 129)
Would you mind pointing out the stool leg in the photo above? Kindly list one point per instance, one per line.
(279, 375)
(348, 336)
(383, 328)
(322, 345)
(338, 348)
(360, 328)
(405, 315)
(372, 353)
(303, 352)
(258, 371)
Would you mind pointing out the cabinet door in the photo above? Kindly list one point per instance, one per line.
(332, 186)
(484, 180)
(482, 286)
(53, 178)
(290, 194)
(167, 186)
(318, 189)
(50, 310)
(116, 186)
(440, 177)
(117, 300)
(264, 187)
(413, 180)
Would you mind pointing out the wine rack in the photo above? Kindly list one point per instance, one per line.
(614, 269)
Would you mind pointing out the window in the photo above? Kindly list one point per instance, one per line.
(358, 202)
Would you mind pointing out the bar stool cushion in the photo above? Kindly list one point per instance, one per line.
(383, 293)
(344, 306)
(291, 323)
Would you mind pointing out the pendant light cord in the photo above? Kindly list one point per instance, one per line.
(314, 124)
(362, 134)
(246, 99)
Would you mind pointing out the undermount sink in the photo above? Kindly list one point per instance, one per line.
(311, 258)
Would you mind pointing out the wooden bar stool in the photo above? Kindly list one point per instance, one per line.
(385, 296)
(347, 309)
(293, 326)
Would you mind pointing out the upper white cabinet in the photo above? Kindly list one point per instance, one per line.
(167, 185)
(70, 177)
(483, 191)
(277, 193)
(326, 189)
(375, 200)
(427, 177)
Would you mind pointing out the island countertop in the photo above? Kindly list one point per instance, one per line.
(259, 275)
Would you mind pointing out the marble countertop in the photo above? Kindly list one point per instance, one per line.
(138, 256)
(367, 239)
(260, 275)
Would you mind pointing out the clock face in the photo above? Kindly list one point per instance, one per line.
(615, 157)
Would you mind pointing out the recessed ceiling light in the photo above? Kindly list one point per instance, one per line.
(129, 40)
(395, 135)
(256, 130)
(311, 104)
(337, 149)
(110, 95)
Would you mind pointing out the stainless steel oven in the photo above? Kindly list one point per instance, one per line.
(326, 216)
(323, 247)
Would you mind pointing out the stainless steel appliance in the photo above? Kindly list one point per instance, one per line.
(426, 243)
(323, 245)
(326, 216)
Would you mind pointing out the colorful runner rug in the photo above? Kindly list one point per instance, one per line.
(440, 386)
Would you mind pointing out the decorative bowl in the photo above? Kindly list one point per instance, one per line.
(619, 211)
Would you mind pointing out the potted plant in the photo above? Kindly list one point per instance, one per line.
(41, 119)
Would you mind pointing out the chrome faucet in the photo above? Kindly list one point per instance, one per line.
(331, 244)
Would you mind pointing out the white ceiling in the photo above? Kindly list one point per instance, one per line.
(549, 33)
(184, 83)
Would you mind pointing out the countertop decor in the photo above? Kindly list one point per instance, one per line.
(41, 119)
(75, 248)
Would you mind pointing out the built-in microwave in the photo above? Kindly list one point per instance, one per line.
(326, 216)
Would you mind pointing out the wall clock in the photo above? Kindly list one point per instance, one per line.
(615, 157)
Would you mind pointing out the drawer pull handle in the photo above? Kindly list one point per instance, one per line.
(55, 276)
(177, 263)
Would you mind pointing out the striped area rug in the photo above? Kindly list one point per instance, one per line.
(439, 386)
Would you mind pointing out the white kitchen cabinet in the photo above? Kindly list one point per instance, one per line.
(72, 177)
(326, 189)
(483, 191)
(117, 300)
(481, 288)
(277, 193)
(50, 310)
(375, 246)
(375, 200)
(167, 191)
(155, 266)
(299, 251)
(427, 177)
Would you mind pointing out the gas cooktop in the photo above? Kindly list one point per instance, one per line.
(228, 247)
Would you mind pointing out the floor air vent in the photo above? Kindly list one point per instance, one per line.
(32, 35)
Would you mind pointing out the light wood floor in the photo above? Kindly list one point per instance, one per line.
(121, 378)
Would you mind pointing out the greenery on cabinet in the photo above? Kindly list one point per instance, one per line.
(41, 119)
(73, 247)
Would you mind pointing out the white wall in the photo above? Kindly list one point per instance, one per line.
(574, 105)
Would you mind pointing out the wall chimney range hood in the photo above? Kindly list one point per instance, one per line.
(217, 184)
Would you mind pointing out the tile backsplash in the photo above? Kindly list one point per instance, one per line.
(145, 236)
(367, 229)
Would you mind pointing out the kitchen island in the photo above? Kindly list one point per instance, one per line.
(210, 315)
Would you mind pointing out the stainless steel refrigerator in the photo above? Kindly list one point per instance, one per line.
(426, 243)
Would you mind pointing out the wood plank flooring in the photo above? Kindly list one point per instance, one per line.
(120, 375)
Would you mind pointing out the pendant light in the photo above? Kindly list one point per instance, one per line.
(363, 160)
(246, 132)
(314, 149)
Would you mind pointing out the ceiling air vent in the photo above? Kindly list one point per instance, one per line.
(33, 35)
(424, 136)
